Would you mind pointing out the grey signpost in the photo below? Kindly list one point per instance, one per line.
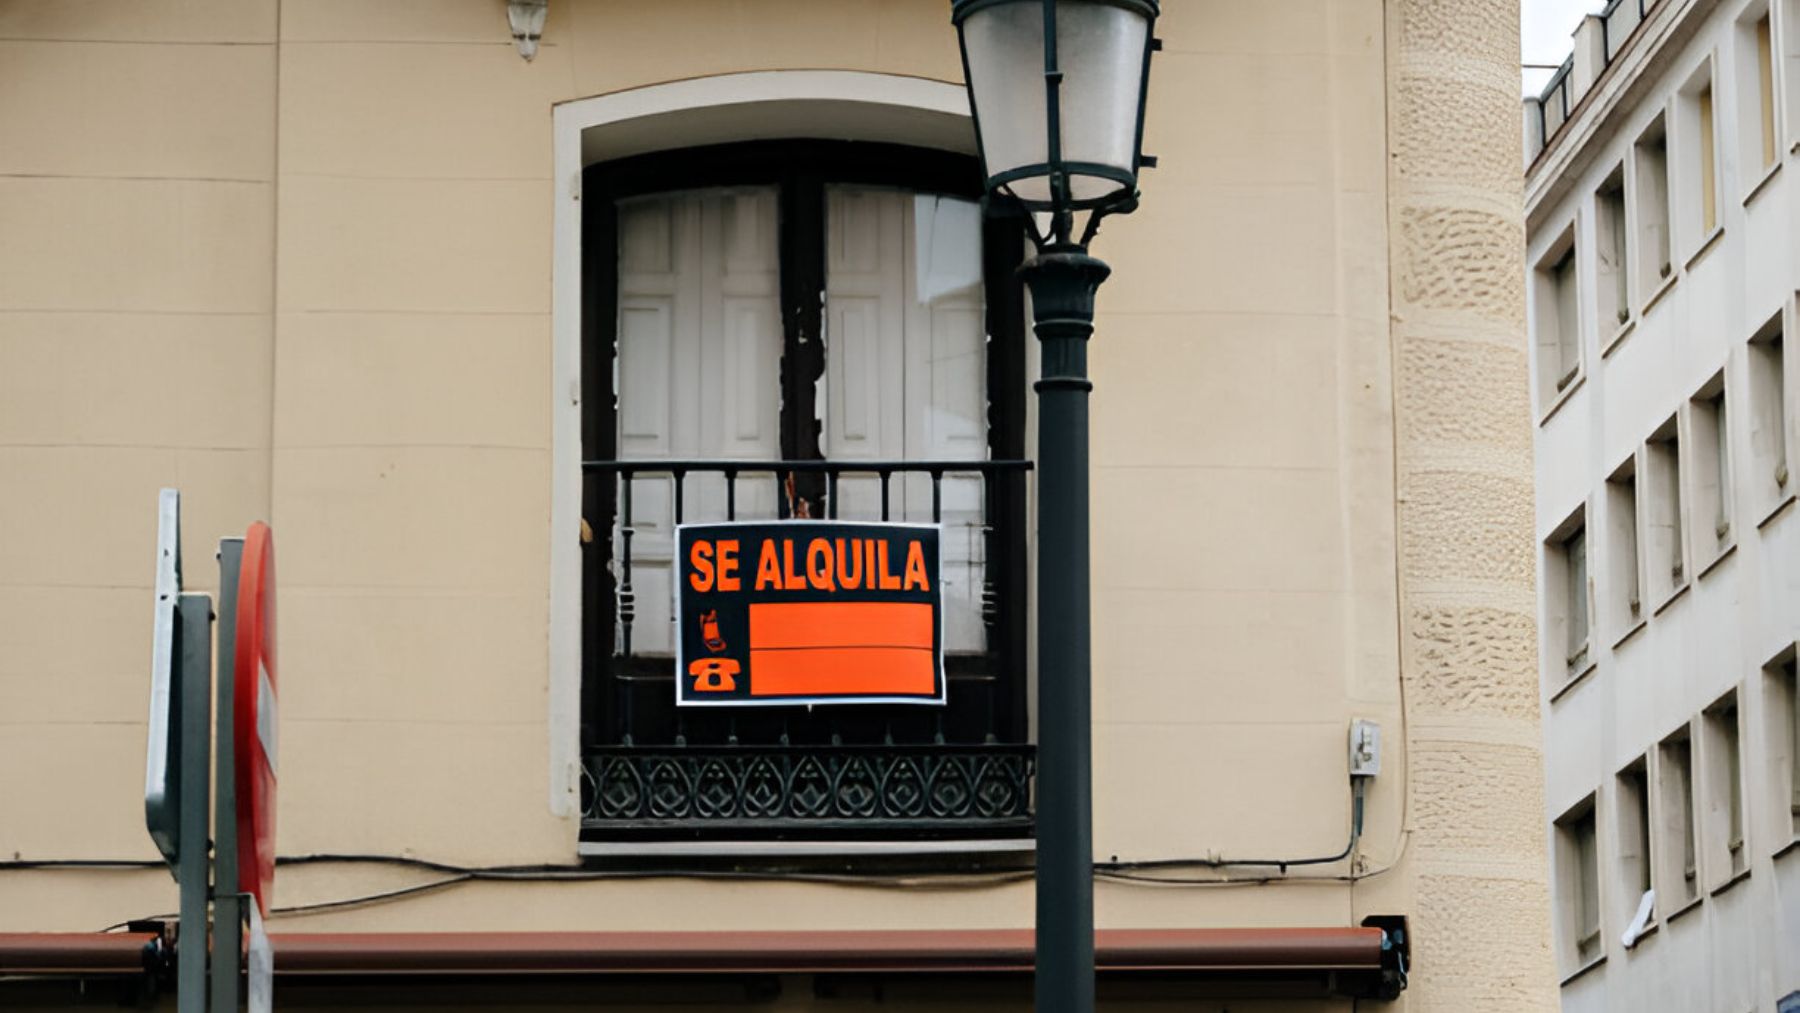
(194, 622)
(175, 773)
(228, 910)
(176, 799)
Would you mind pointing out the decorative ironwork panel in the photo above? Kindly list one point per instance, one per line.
(800, 791)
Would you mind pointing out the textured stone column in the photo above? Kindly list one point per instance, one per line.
(1463, 440)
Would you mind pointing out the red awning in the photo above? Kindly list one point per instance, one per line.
(1366, 956)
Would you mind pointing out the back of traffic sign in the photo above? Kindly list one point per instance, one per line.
(162, 762)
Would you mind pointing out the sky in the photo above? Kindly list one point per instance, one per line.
(1545, 34)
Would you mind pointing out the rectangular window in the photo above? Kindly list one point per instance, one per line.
(1650, 206)
(1755, 61)
(1765, 90)
(1710, 430)
(1675, 837)
(1781, 702)
(1625, 598)
(1724, 790)
(808, 330)
(1612, 259)
(1566, 593)
(1663, 524)
(1768, 414)
(1575, 553)
(1632, 817)
(1709, 162)
(1578, 884)
(1557, 321)
(1698, 204)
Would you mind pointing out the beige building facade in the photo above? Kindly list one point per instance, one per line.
(367, 273)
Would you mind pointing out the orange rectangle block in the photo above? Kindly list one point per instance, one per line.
(814, 624)
(842, 671)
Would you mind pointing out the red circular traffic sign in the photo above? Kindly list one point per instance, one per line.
(254, 717)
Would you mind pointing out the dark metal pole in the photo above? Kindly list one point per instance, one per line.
(1063, 279)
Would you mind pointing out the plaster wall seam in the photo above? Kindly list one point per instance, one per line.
(1476, 729)
(1504, 595)
(1466, 456)
(1437, 193)
(1497, 865)
(1459, 68)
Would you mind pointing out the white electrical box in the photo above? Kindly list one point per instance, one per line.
(1365, 748)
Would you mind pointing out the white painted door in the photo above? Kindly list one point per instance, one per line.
(906, 369)
(698, 371)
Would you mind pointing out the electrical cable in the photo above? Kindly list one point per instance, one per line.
(1356, 827)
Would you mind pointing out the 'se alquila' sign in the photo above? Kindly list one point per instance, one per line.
(808, 612)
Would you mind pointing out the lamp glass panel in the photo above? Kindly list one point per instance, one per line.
(1100, 48)
(1005, 46)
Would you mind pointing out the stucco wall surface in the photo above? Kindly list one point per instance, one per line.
(307, 275)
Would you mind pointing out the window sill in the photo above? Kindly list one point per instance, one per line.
(1691, 904)
(1569, 978)
(1756, 190)
(1775, 510)
(1649, 930)
(1712, 564)
(1678, 591)
(1791, 847)
(1572, 681)
(1735, 878)
(1707, 245)
(1636, 625)
(1618, 337)
(1657, 293)
(1563, 396)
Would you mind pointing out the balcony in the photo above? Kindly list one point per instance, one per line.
(933, 776)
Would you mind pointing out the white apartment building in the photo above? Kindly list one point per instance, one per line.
(1662, 276)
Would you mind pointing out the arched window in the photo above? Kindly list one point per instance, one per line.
(801, 329)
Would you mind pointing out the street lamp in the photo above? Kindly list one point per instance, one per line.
(1057, 91)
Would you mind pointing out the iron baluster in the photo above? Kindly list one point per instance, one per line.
(627, 597)
(731, 494)
(990, 598)
(886, 474)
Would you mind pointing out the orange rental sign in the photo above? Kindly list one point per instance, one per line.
(808, 612)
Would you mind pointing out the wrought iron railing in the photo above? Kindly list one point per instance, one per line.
(756, 791)
(655, 771)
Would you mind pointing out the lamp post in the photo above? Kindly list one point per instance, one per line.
(1057, 91)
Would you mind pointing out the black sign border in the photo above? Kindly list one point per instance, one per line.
(940, 699)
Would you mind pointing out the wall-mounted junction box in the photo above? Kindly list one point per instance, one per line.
(1365, 748)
